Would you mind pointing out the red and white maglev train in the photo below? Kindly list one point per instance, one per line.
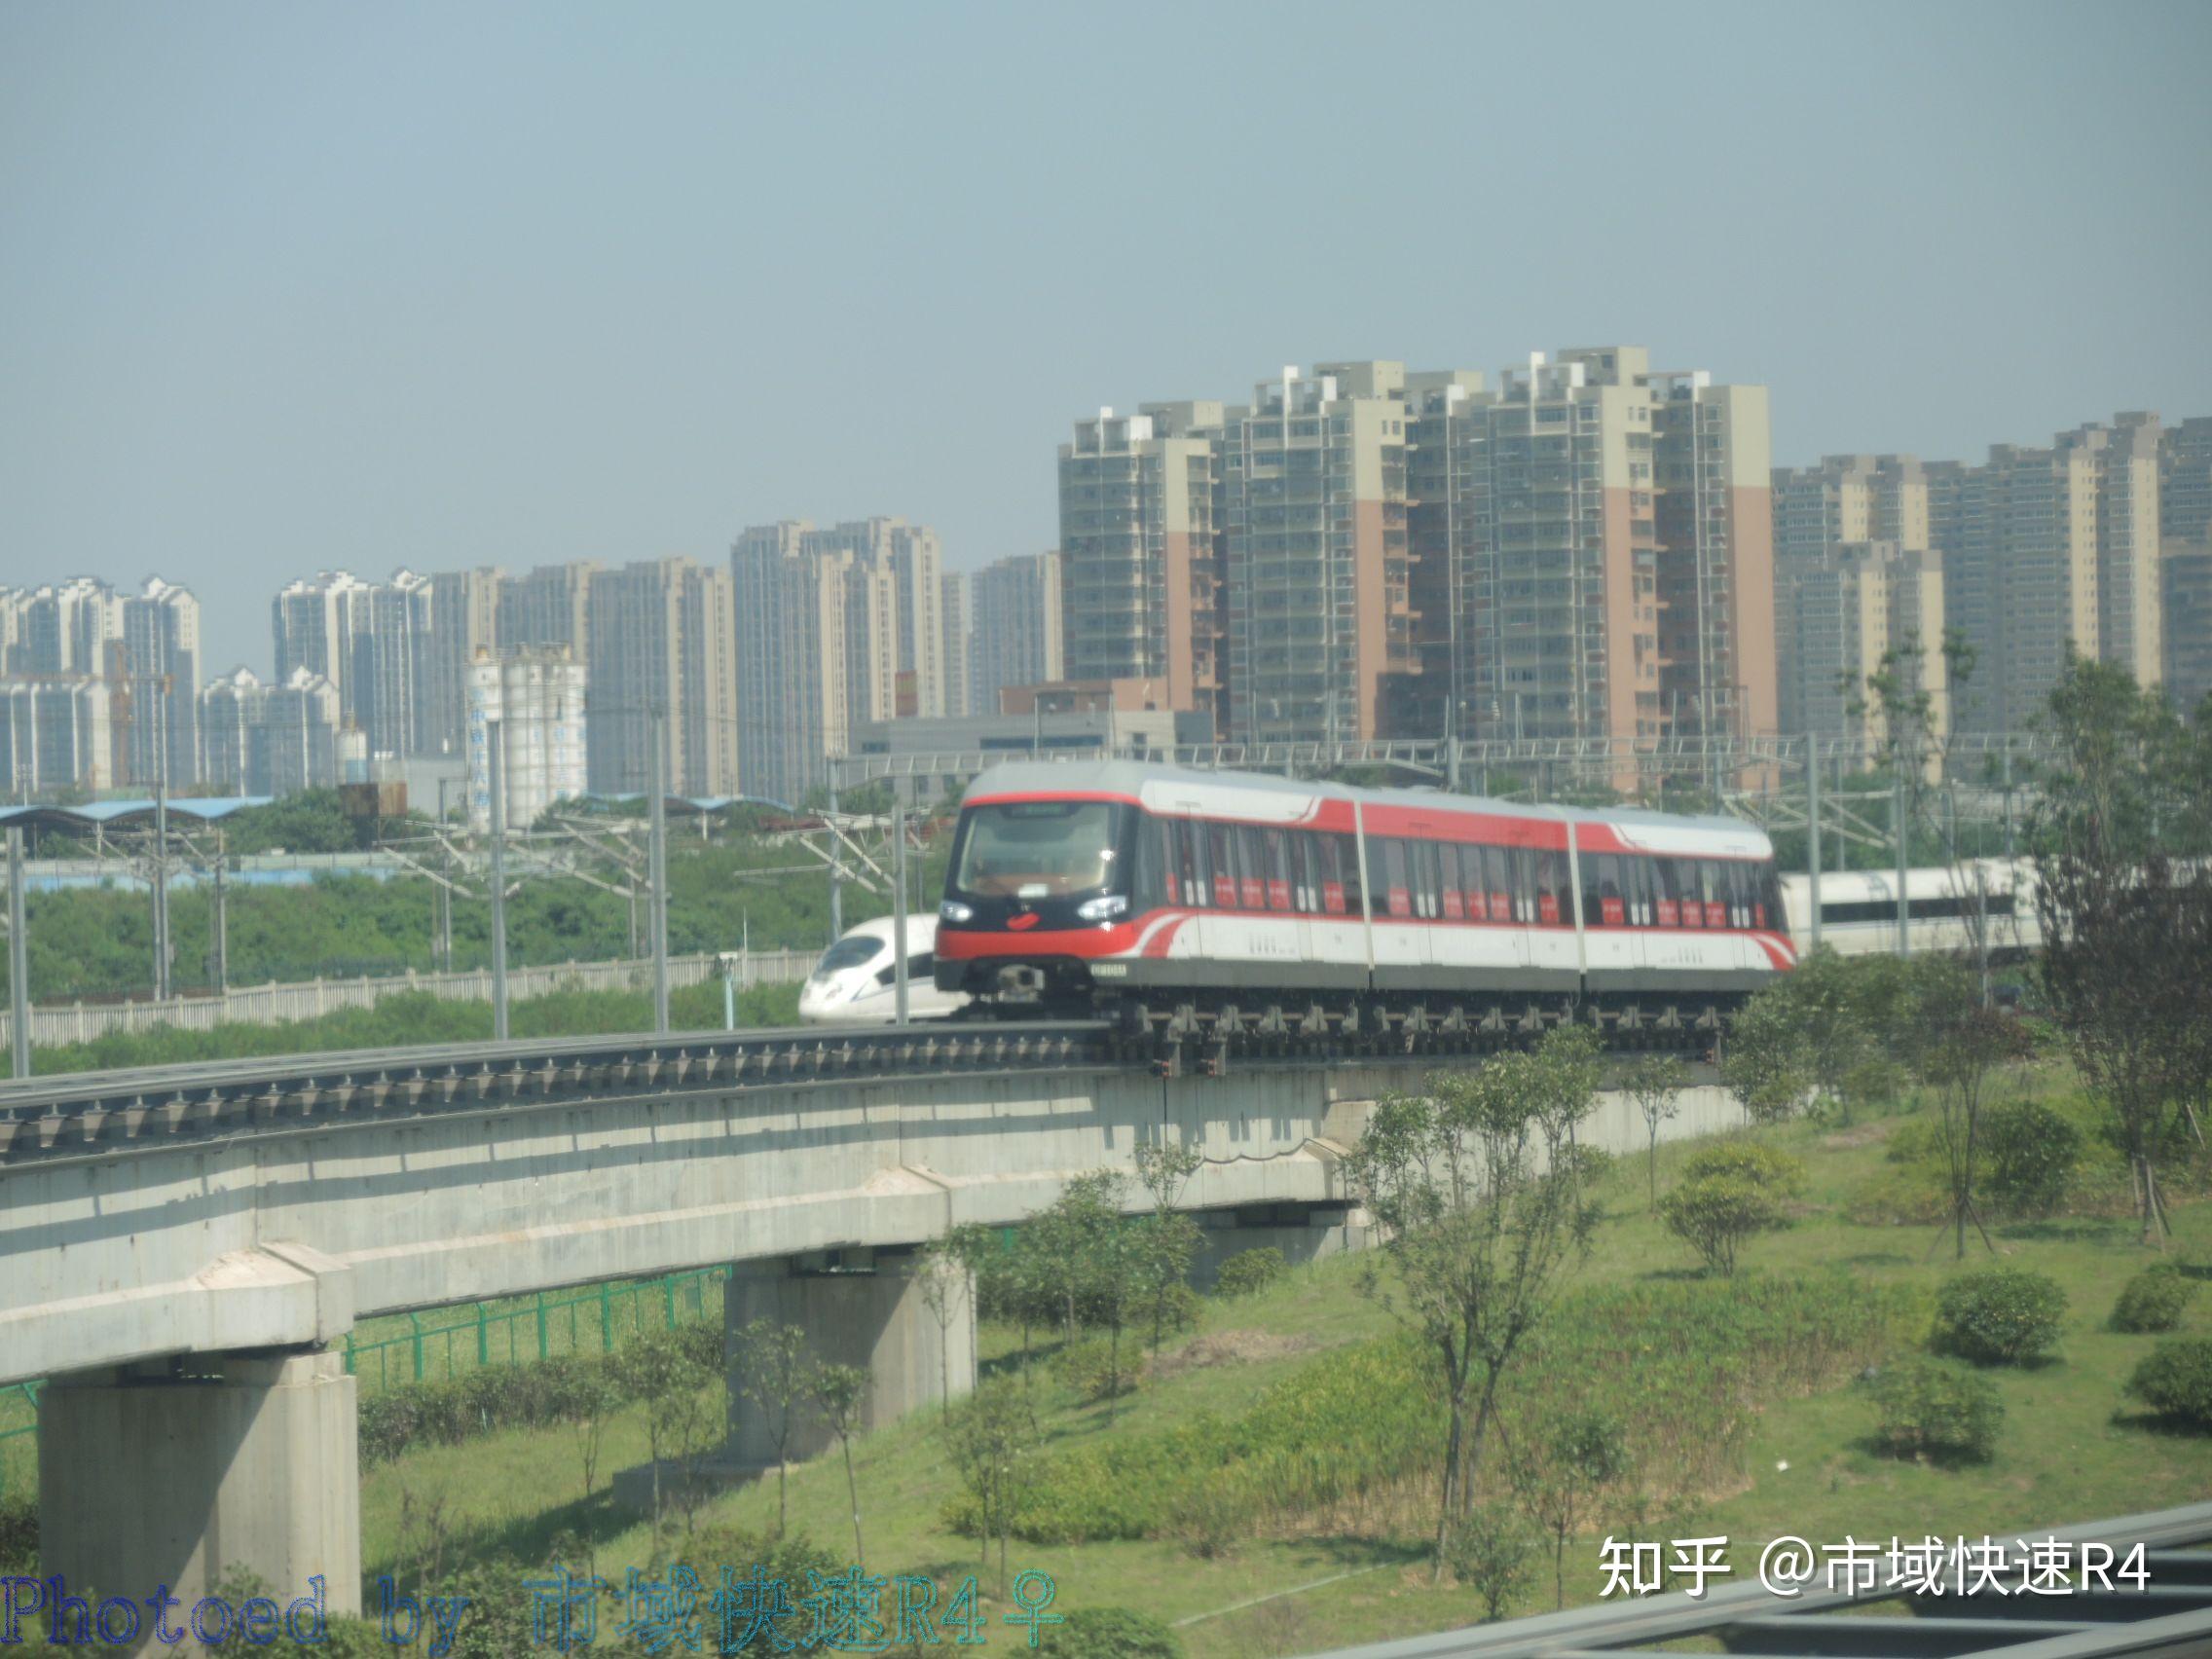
(1120, 882)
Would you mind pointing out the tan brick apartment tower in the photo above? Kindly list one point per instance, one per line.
(1140, 556)
(1714, 511)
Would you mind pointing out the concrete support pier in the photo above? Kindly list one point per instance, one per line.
(862, 1307)
(189, 1472)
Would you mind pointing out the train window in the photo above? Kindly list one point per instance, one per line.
(1452, 897)
(1666, 892)
(1349, 873)
(1394, 889)
(1154, 881)
(1690, 892)
(1308, 849)
(1422, 862)
(1716, 892)
(1251, 870)
(1601, 890)
(1739, 892)
(1554, 900)
(1191, 861)
(1221, 862)
(1639, 872)
(1770, 910)
(1497, 865)
(1277, 868)
(1329, 857)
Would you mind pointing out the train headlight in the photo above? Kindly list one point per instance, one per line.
(952, 910)
(1103, 909)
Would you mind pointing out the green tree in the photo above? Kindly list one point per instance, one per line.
(662, 1370)
(942, 1274)
(1957, 1044)
(776, 1373)
(1655, 1083)
(1170, 1240)
(1489, 1555)
(1483, 1211)
(586, 1404)
(2124, 865)
(991, 1437)
(1763, 1061)
(840, 1395)
(1560, 1477)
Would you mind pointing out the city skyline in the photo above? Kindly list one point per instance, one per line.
(340, 292)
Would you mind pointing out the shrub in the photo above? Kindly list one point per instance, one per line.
(1999, 1316)
(1491, 1556)
(1112, 1633)
(1086, 1368)
(2029, 1155)
(1250, 1270)
(1938, 1411)
(2153, 1300)
(1753, 1161)
(19, 1535)
(2175, 1380)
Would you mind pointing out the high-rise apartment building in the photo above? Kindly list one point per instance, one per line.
(1141, 549)
(2185, 550)
(958, 610)
(313, 622)
(1860, 611)
(1017, 630)
(549, 605)
(2055, 549)
(537, 697)
(662, 642)
(144, 646)
(836, 625)
(1536, 552)
(232, 709)
(1849, 498)
(1713, 514)
(57, 732)
(1315, 561)
(297, 744)
(372, 643)
(159, 671)
(465, 619)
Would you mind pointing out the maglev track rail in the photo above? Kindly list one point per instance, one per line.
(103, 1111)
(93, 1113)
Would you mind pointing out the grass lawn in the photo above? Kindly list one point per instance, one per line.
(2071, 1450)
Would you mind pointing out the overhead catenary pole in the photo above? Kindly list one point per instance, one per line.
(495, 768)
(18, 971)
(160, 868)
(1813, 835)
(899, 912)
(658, 857)
(1905, 854)
(219, 921)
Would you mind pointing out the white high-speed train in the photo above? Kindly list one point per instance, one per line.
(1859, 908)
(854, 984)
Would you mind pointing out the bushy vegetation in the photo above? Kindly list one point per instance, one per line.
(1676, 1362)
(2033, 1152)
(2175, 1380)
(451, 1410)
(1999, 1316)
(416, 1016)
(2153, 1300)
(1111, 1633)
(1730, 1191)
(1936, 1410)
(1249, 1271)
(1089, 1370)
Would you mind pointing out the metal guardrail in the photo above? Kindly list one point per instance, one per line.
(2172, 1617)
(106, 1111)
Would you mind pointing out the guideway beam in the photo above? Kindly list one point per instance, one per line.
(189, 1474)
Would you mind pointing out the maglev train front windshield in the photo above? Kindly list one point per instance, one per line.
(1038, 849)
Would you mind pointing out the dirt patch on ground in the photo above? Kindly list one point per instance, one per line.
(1229, 1347)
(1863, 1134)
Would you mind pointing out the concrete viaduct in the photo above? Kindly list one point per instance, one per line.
(181, 1249)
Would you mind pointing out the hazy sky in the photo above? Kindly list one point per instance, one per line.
(296, 285)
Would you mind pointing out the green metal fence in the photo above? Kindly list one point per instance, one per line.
(449, 1341)
(521, 1329)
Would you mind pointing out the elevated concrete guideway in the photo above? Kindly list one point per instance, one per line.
(180, 1291)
